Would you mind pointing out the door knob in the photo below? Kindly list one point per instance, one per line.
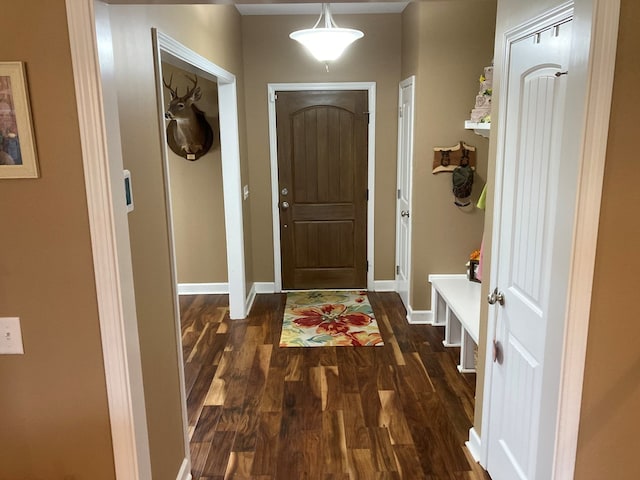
(284, 205)
(404, 213)
(495, 297)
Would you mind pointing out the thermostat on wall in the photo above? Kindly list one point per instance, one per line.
(128, 193)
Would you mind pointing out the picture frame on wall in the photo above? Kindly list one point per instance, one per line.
(472, 272)
(17, 144)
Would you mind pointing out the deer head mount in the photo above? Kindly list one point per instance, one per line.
(188, 133)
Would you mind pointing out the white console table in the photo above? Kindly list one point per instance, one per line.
(455, 302)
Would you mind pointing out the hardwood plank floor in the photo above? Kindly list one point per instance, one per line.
(260, 412)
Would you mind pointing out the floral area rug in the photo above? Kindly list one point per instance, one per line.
(327, 318)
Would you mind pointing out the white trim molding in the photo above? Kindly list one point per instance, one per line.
(203, 288)
(605, 15)
(272, 88)
(419, 317)
(251, 297)
(92, 60)
(384, 286)
(265, 287)
(474, 444)
(185, 470)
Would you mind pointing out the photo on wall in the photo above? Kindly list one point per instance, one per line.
(17, 148)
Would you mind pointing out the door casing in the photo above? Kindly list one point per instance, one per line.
(272, 88)
(532, 312)
(404, 194)
(591, 82)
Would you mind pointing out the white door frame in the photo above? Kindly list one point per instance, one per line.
(407, 82)
(88, 24)
(597, 21)
(92, 59)
(272, 88)
(230, 154)
(172, 51)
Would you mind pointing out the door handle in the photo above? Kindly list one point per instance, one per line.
(495, 297)
(284, 205)
(404, 213)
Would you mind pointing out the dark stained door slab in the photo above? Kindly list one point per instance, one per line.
(322, 173)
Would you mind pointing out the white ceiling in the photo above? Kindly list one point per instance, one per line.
(315, 8)
(285, 7)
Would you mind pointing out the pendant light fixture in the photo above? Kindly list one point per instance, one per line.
(326, 43)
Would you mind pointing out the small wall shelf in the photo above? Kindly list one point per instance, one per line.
(482, 129)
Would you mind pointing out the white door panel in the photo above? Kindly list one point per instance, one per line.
(535, 83)
(403, 205)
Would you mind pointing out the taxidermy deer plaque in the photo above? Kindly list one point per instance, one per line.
(188, 133)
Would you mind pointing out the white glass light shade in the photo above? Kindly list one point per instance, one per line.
(326, 44)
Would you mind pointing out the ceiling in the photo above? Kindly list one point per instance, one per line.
(287, 7)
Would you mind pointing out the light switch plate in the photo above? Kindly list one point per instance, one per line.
(10, 336)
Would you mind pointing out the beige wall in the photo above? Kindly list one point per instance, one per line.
(214, 32)
(446, 44)
(271, 57)
(196, 194)
(53, 405)
(608, 437)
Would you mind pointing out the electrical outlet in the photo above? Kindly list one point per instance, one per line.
(10, 336)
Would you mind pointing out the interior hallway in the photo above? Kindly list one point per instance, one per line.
(257, 411)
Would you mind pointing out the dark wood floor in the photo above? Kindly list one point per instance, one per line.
(257, 411)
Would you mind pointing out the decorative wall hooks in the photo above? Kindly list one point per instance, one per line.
(446, 159)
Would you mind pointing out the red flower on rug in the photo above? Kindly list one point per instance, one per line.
(332, 318)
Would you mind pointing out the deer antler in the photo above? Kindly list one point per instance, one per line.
(174, 91)
(194, 80)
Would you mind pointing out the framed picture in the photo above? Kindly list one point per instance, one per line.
(472, 273)
(17, 146)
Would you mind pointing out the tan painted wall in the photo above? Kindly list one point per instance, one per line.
(608, 437)
(447, 50)
(214, 32)
(53, 406)
(196, 195)
(271, 57)
(410, 39)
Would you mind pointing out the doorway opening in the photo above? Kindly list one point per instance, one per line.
(195, 188)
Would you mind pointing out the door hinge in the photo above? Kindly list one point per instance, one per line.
(367, 195)
(399, 194)
(397, 269)
(367, 265)
(274, 97)
(400, 109)
(368, 114)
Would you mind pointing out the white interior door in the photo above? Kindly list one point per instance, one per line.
(525, 222)
(403, 206)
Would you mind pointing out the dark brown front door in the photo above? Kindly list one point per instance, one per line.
(322, 173)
